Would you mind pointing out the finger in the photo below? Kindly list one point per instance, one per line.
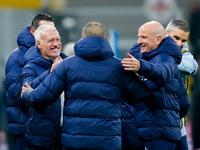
(23, 87)
(127, 65)
(129, 69)
(127, 60)
(60, 58)
(57, 58)
(129, 55)
(22, 92)
(27, 85)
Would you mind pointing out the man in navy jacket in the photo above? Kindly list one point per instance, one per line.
(42, 129)
(95, 84)
(16, 109)
(179, 31)
(157, 120)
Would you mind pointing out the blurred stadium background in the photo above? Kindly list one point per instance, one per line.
(121, 18)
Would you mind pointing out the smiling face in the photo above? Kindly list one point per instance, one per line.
(179, 36)
(50, 44)
(150, 35)
(146, 40)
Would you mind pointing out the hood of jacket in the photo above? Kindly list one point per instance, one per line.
(168, 46)
(25, 38)
(33, 55)
(93, 49)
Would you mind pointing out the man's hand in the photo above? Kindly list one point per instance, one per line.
(131, 63)
(56, 62)
(25, 88)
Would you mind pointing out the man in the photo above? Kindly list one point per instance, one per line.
(179, 31)
(42, 130)
(157, 119)
(15, 108)
(95, 84)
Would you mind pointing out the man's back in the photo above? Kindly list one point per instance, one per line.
(95, 84)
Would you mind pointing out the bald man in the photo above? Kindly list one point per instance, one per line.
(155, 60)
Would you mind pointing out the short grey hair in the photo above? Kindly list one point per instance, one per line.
(94, 29)
(178, 23)
(41, 29)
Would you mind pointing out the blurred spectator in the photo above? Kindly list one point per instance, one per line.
(3, 140)
(68, 49)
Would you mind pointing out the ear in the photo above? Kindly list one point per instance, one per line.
(32, 31)
(159, 40)
(166, 33)
(38, 44)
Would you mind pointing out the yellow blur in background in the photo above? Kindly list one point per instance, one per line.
(35, 4)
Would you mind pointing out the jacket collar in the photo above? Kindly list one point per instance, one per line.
(93, 48)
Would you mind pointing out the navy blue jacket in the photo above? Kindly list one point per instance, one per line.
(181, 93)
(15, 108)
(130, 140)
(95, 84)
(42, 127)
(159, 117)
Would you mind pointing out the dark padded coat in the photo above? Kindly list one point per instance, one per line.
(43, 121)
(159, 117)
(15, 107)
(95, 84)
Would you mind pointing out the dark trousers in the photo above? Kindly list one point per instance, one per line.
(42, 148)
(37, 148)
(182, 145)
(57, 143)
(159, 144)
(19, 143)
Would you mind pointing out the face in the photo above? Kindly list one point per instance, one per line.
(179, 36)
(146, 40)
(50, 46)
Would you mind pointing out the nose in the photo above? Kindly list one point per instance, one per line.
(56, 42)
(182, 44)
(139, 40)
(178, 42)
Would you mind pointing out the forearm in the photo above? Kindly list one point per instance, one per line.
(159, 73)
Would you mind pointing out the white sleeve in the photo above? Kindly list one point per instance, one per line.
(188, 63)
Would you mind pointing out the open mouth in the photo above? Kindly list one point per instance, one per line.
(143, 47)
(55, 49)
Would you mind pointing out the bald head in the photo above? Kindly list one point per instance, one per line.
(150, 35)
(154, 28)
